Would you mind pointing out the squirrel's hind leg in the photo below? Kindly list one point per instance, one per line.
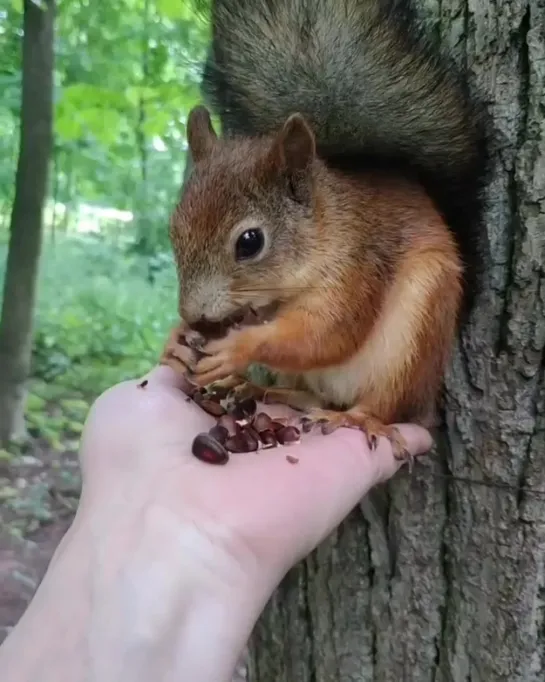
(357, 417)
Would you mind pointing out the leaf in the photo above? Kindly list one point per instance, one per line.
(35, 403)
(8, 492)
(6, 456)
(171, 9)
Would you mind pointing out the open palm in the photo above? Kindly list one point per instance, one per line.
(137, 446)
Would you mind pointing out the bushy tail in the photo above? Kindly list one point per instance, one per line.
(376, 91)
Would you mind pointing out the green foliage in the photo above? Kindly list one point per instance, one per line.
(126, 76)
(99, 321)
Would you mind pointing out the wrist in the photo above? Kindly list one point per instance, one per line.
(181, 597)
(152, 598)
(48, 642)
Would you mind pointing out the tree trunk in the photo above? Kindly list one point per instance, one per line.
(437, 579)
(27, 214)
(55, 168)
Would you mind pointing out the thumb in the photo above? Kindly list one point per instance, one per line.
(419, 442)
(346, 469)
(332, 475)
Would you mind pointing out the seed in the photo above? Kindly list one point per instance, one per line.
(229, 423)
(262, 422)
(306, 424)
(236, 443)
(219, 433)
(252, 439)
(268, 439)
(143, 384)
(287, 435)
(207, 449)
(198, 397)
(212, 407)
(292, 460)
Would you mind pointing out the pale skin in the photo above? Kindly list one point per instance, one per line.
(170, 561)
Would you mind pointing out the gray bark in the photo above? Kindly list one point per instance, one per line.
(26, 218)
(435, 579)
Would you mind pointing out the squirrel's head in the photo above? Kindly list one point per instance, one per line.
(244, 231)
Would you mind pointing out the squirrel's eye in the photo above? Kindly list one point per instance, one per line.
(249, 244)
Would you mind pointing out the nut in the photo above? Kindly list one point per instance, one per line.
(219, 433)
(262, 422)
(288, 435)
(209, 450)
(252, 439)
(213, 408)
(229, 423)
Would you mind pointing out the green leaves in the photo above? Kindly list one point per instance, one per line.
(172, 9)
(126, 77)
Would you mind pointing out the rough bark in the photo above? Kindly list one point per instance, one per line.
(435, 579)
(26, 218)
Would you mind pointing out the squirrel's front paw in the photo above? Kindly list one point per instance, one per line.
(223, 357)
(176, 353)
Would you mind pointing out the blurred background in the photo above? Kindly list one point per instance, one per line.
(123, 79)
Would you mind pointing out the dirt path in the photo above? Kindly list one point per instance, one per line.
(38, 496)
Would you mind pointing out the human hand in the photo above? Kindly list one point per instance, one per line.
(170, 561)
(260, 508)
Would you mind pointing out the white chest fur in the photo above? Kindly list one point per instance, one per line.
(342, 384)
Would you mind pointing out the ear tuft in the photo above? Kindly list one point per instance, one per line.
(296, 144)
(201, 135)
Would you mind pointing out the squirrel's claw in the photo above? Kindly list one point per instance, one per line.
(373, 428)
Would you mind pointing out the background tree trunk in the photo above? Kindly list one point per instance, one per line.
(27, 214)
(436, 579)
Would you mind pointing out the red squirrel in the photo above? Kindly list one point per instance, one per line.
(346, 194)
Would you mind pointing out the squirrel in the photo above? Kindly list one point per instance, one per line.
(347, 195)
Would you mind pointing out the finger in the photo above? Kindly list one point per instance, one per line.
(324, 481)
(208, 364)
(344, 468)
(419, 442)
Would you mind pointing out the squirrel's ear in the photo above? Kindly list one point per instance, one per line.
(293, 152)
(201, 136)
(295, 144)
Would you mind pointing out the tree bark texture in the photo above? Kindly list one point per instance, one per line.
(434, 579)
(27, 214)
